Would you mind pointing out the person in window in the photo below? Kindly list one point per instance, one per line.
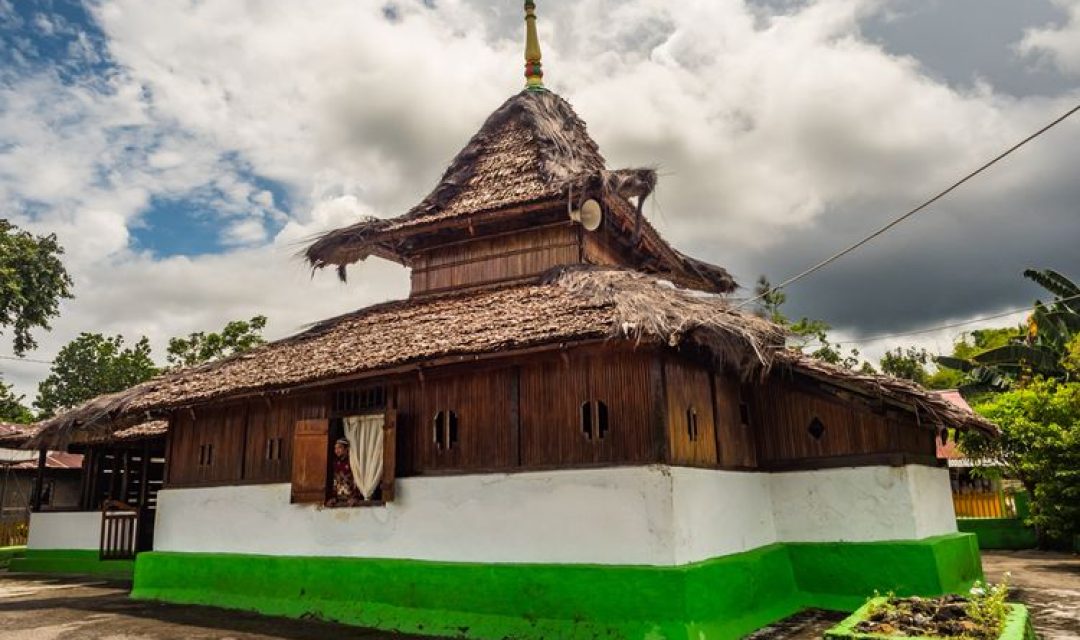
(343, 491)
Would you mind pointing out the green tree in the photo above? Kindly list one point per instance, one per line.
(12, 408)
(91, 365)
(1038, 351)
(32, 283)
(1040, 446)
(909, 364)
(238, 336)
(806, 334)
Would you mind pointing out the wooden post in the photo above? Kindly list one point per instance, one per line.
(144, 473)
(39, 480)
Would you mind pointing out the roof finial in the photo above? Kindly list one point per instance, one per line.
(534, 77)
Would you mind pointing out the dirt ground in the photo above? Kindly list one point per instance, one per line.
(49, 608)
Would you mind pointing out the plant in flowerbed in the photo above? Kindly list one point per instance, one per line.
(983, 614)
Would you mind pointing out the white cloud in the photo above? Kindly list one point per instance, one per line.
(1058, 44)
(776, 134)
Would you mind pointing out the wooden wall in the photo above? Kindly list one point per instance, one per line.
(526, 413)
(783, 411)
(482, 404)
(493, 259)
(689, 390)
(552, 393)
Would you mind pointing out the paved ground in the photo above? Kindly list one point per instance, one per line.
(47, 608)
(1048, 583)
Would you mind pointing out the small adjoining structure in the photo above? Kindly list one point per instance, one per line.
(564, 431)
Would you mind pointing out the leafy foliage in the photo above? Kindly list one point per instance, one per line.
(237, 336)
(1040, 446)
(90, 365)
(806, 332)
(1038, 351)
(909, 364)
(32, 283)
(12, 408)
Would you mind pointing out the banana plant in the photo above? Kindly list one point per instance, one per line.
(1040, 352)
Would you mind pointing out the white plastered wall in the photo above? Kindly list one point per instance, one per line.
(862, 504)
(65, 530)
(652, 515)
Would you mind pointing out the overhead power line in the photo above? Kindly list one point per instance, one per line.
(951, 325)
(16, 358)
(836, 256)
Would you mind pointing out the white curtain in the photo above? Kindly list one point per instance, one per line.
(365, 436)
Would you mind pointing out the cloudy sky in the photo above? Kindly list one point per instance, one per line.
(183, 151)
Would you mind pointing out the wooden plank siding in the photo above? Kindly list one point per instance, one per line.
(493, 259)
(689, 390)
(783, 414)
(481, 402)
(552, 391)
(736, 446)
(526, 413)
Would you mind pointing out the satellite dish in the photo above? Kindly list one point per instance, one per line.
(589, 215)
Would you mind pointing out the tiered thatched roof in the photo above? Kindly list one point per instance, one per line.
(532, 150)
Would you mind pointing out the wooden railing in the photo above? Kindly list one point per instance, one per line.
(984, 505)
(13, 533)
(118, 524)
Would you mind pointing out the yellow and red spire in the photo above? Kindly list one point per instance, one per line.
(534, 76)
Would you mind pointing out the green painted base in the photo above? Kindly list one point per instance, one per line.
(72, 561)
(1017, 625)
(999, 533)
(7, 554)
(721, 598)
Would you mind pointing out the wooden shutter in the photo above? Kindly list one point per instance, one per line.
(389, 454)
(311, 444)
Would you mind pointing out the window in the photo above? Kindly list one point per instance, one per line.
(744, 413)
(445, 430)
(273, 448)
(816, 428)
(594, 420)
(206, 455)
(691, 423)
(354, 401)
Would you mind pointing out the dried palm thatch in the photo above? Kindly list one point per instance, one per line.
(532, 149)
(571, 305)
(932, 408)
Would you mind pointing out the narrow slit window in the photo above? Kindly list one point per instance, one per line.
(744, 414)
(439, 432)
(691, 424)
(206, 455)
(445, 430)
(451, 429)
(586, 420)
(601, 419)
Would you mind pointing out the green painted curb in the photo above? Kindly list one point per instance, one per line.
(999, 533)
(71, 561)
(722, 598)
(1017, 626)
(7, 554)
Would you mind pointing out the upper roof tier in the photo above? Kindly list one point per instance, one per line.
(532, 154)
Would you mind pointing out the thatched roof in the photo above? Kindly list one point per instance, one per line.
(532, 149)
(571, 305)
(931, 405)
